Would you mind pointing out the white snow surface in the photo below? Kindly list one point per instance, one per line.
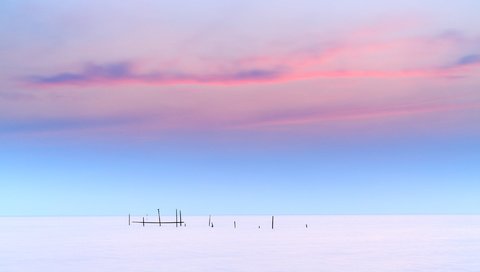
(330, 243)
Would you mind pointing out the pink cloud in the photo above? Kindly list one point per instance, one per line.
(252, 76)
(310, 116)
(440, 56)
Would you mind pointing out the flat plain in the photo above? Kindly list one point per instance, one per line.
(330, 243)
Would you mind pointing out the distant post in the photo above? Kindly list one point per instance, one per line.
(210, 220)
(234, 224)
(272, 221)
(176, 218)
(129, 219)
(143, 221)
(180, 218)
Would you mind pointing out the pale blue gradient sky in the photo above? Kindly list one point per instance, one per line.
(239, 107)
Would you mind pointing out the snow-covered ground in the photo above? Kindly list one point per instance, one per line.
(330, 243)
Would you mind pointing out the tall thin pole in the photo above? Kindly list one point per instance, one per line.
(272, 221)
(176, 217)
(159, 220)
(180, 218)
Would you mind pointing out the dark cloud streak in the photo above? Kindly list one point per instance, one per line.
(124, 72)
(55, 124)
(469, 60)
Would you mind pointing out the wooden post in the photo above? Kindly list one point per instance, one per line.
(180, 218)
(143, 221)
(129, 219)
(159, 220)
(272, 221)
(209, 220)
(176, 218)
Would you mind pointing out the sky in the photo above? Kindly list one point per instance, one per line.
(239, 107)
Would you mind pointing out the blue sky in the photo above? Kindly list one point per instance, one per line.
(239, 107)
(346, 178)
